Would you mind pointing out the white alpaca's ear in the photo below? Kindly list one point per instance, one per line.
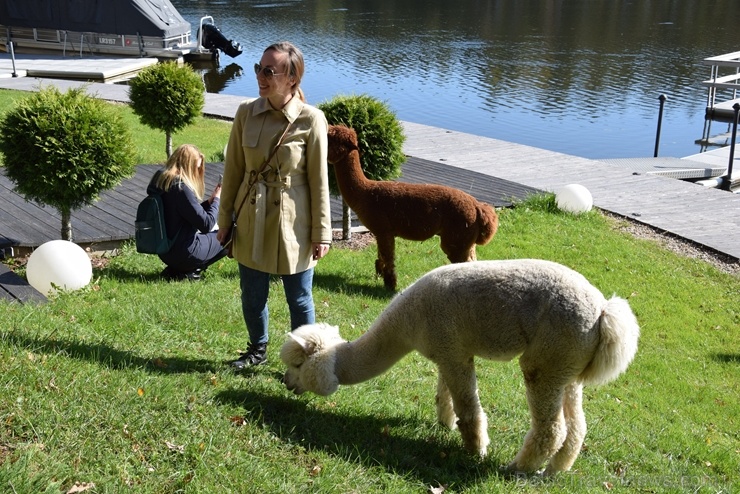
(333, 330)
(307, 346)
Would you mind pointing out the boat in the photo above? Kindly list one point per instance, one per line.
(135, 28)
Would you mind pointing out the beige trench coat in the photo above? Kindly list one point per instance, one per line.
(288, 208)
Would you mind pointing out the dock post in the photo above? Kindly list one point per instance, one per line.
(662, 99)
(727, 179)
(12, 52)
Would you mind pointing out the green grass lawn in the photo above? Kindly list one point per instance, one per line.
(123, 385)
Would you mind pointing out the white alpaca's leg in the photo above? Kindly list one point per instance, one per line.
(575, 421)
(445, 413)
(463, 387)
(548, 431)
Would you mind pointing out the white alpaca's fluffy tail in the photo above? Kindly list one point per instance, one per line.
(619, 333)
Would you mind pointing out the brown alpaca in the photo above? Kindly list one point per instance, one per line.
(411, 211)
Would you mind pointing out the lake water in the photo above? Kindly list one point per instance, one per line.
(581, 77)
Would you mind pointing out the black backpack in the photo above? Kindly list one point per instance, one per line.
(151, 233)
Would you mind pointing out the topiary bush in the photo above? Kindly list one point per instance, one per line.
(63, 149)
(379, 134)
(168, 97)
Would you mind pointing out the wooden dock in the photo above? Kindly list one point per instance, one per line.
(96, 68)
(709, 217)
(725, 77)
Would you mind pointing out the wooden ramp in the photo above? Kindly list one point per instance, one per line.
(679, 168)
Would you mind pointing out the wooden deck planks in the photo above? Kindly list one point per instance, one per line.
(707, 216)
(111, 218)
(15, 288)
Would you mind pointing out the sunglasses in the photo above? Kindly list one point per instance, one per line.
(268, 72)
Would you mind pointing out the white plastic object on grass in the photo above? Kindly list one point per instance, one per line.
(58, 265)
(574, 198)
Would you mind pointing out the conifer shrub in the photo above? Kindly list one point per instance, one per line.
(379, 134)
(63, 149)
(167, 96)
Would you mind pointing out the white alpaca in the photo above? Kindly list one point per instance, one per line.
(566, 334)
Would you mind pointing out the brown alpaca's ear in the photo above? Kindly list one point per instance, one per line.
(348, 136)
(332, 131)
(342, 140)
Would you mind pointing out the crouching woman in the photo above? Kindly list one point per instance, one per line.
(189, 219)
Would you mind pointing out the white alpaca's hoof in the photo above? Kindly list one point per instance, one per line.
(449, 420)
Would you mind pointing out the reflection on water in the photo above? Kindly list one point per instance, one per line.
(217, 77)
(577, 76)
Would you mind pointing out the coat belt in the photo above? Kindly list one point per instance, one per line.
(288, 182)
(260, 207)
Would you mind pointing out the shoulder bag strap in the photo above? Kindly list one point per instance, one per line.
(253, 176)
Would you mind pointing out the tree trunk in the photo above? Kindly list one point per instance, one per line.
(169, 143)
(346, 221)
(66, 224)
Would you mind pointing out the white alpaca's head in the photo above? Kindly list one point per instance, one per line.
(310, 354)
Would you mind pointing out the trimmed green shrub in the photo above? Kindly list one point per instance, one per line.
(167, 97)
(63, 149)
(380, 137)
(379, 134)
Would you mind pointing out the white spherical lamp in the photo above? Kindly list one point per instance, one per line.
(574, 198)
(58, 265)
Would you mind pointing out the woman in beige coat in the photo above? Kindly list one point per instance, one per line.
(283, 222)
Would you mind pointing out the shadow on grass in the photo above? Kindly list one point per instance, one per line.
(112, 357)
(121, 273)
(727, 358)
(367, 440)
(334, 283)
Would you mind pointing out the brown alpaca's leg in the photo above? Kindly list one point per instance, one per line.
(379, 267)
(575, 421)
(385, 265)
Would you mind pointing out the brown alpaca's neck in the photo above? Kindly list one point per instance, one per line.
(371, 354)
(350, 177)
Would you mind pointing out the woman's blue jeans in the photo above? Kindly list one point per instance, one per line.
(255, 286)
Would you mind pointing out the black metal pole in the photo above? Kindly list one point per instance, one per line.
(662, 99)
(12, 52)
(728, 178)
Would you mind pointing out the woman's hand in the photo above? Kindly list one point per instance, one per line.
(216, 193)
(319, 250)
(222, 235)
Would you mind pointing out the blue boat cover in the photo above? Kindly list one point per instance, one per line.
(128, 17)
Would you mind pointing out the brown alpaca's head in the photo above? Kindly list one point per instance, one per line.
(342, 141)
